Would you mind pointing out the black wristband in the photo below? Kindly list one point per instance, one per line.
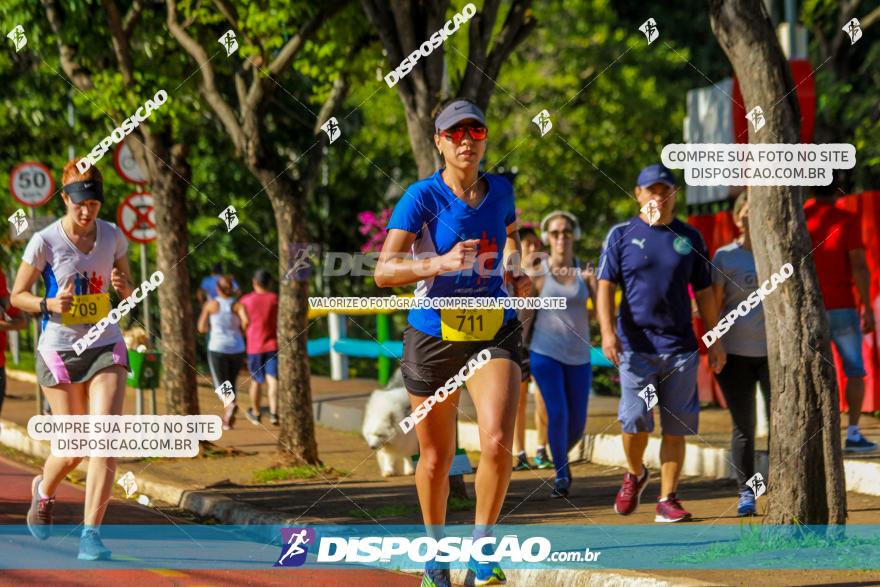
(44, 307)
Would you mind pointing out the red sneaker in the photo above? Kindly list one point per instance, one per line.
(630, 493)
(671, 510)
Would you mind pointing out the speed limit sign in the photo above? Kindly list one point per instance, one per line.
(126, 165)
(31, 183)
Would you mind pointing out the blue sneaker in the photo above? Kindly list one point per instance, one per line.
(436, 576)
(487, 573)
(91, 548)
(746, 505)
(860, 445)
(542, 461)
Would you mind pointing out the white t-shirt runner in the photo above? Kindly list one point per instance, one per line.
(51, 252)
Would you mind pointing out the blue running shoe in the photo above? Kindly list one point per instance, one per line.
(91, 548)
(862, 444)
(542, 461)
(746, 505)
(436, 577)
(484, 573)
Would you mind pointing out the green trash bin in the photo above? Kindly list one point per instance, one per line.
(145, 368)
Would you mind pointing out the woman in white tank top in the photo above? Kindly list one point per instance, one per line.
(559, 352)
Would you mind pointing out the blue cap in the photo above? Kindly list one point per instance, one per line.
(457, 111)
(655, 173)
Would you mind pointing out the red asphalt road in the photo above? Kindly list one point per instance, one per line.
(15, 485)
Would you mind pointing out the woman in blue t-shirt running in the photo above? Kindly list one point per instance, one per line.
(461, 228)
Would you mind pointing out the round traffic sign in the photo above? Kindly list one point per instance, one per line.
(126, 165)
(31, 183)
(136, 217)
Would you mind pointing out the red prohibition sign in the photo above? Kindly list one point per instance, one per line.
(140, 228)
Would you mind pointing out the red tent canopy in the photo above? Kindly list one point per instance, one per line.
(718, 230)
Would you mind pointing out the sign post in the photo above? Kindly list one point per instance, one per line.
(136, 217)
(32, 185)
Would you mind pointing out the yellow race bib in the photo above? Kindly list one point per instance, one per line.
(470, 325)
(87, 309)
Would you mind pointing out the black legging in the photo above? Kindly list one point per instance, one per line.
(737, 381)
(224, 367)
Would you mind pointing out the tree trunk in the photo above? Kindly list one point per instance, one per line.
(806, 466)
(420, 125)
(296, 440)
(177, 321)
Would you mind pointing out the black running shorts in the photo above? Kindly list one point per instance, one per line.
(429, 361)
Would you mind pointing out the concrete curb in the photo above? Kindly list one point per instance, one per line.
(576, 578)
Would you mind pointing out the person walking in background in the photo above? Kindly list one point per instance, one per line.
(839, 255)
(734, 277)
(560, 345)
(10, 319)
(653, 259)
(261, 337)
(226, 319)
(530, 246)
(208, 287)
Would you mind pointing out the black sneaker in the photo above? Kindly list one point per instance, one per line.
(861, 444)
(252, 418)
(273, 419)
(561, 487)
(522, 463)
(39, 517)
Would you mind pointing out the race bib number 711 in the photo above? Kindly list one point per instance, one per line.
(470, 325)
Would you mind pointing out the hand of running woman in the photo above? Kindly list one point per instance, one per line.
(120, 283)
(520, 285)
(62, 302)
(462, 256)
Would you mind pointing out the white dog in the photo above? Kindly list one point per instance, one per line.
(385, 409)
